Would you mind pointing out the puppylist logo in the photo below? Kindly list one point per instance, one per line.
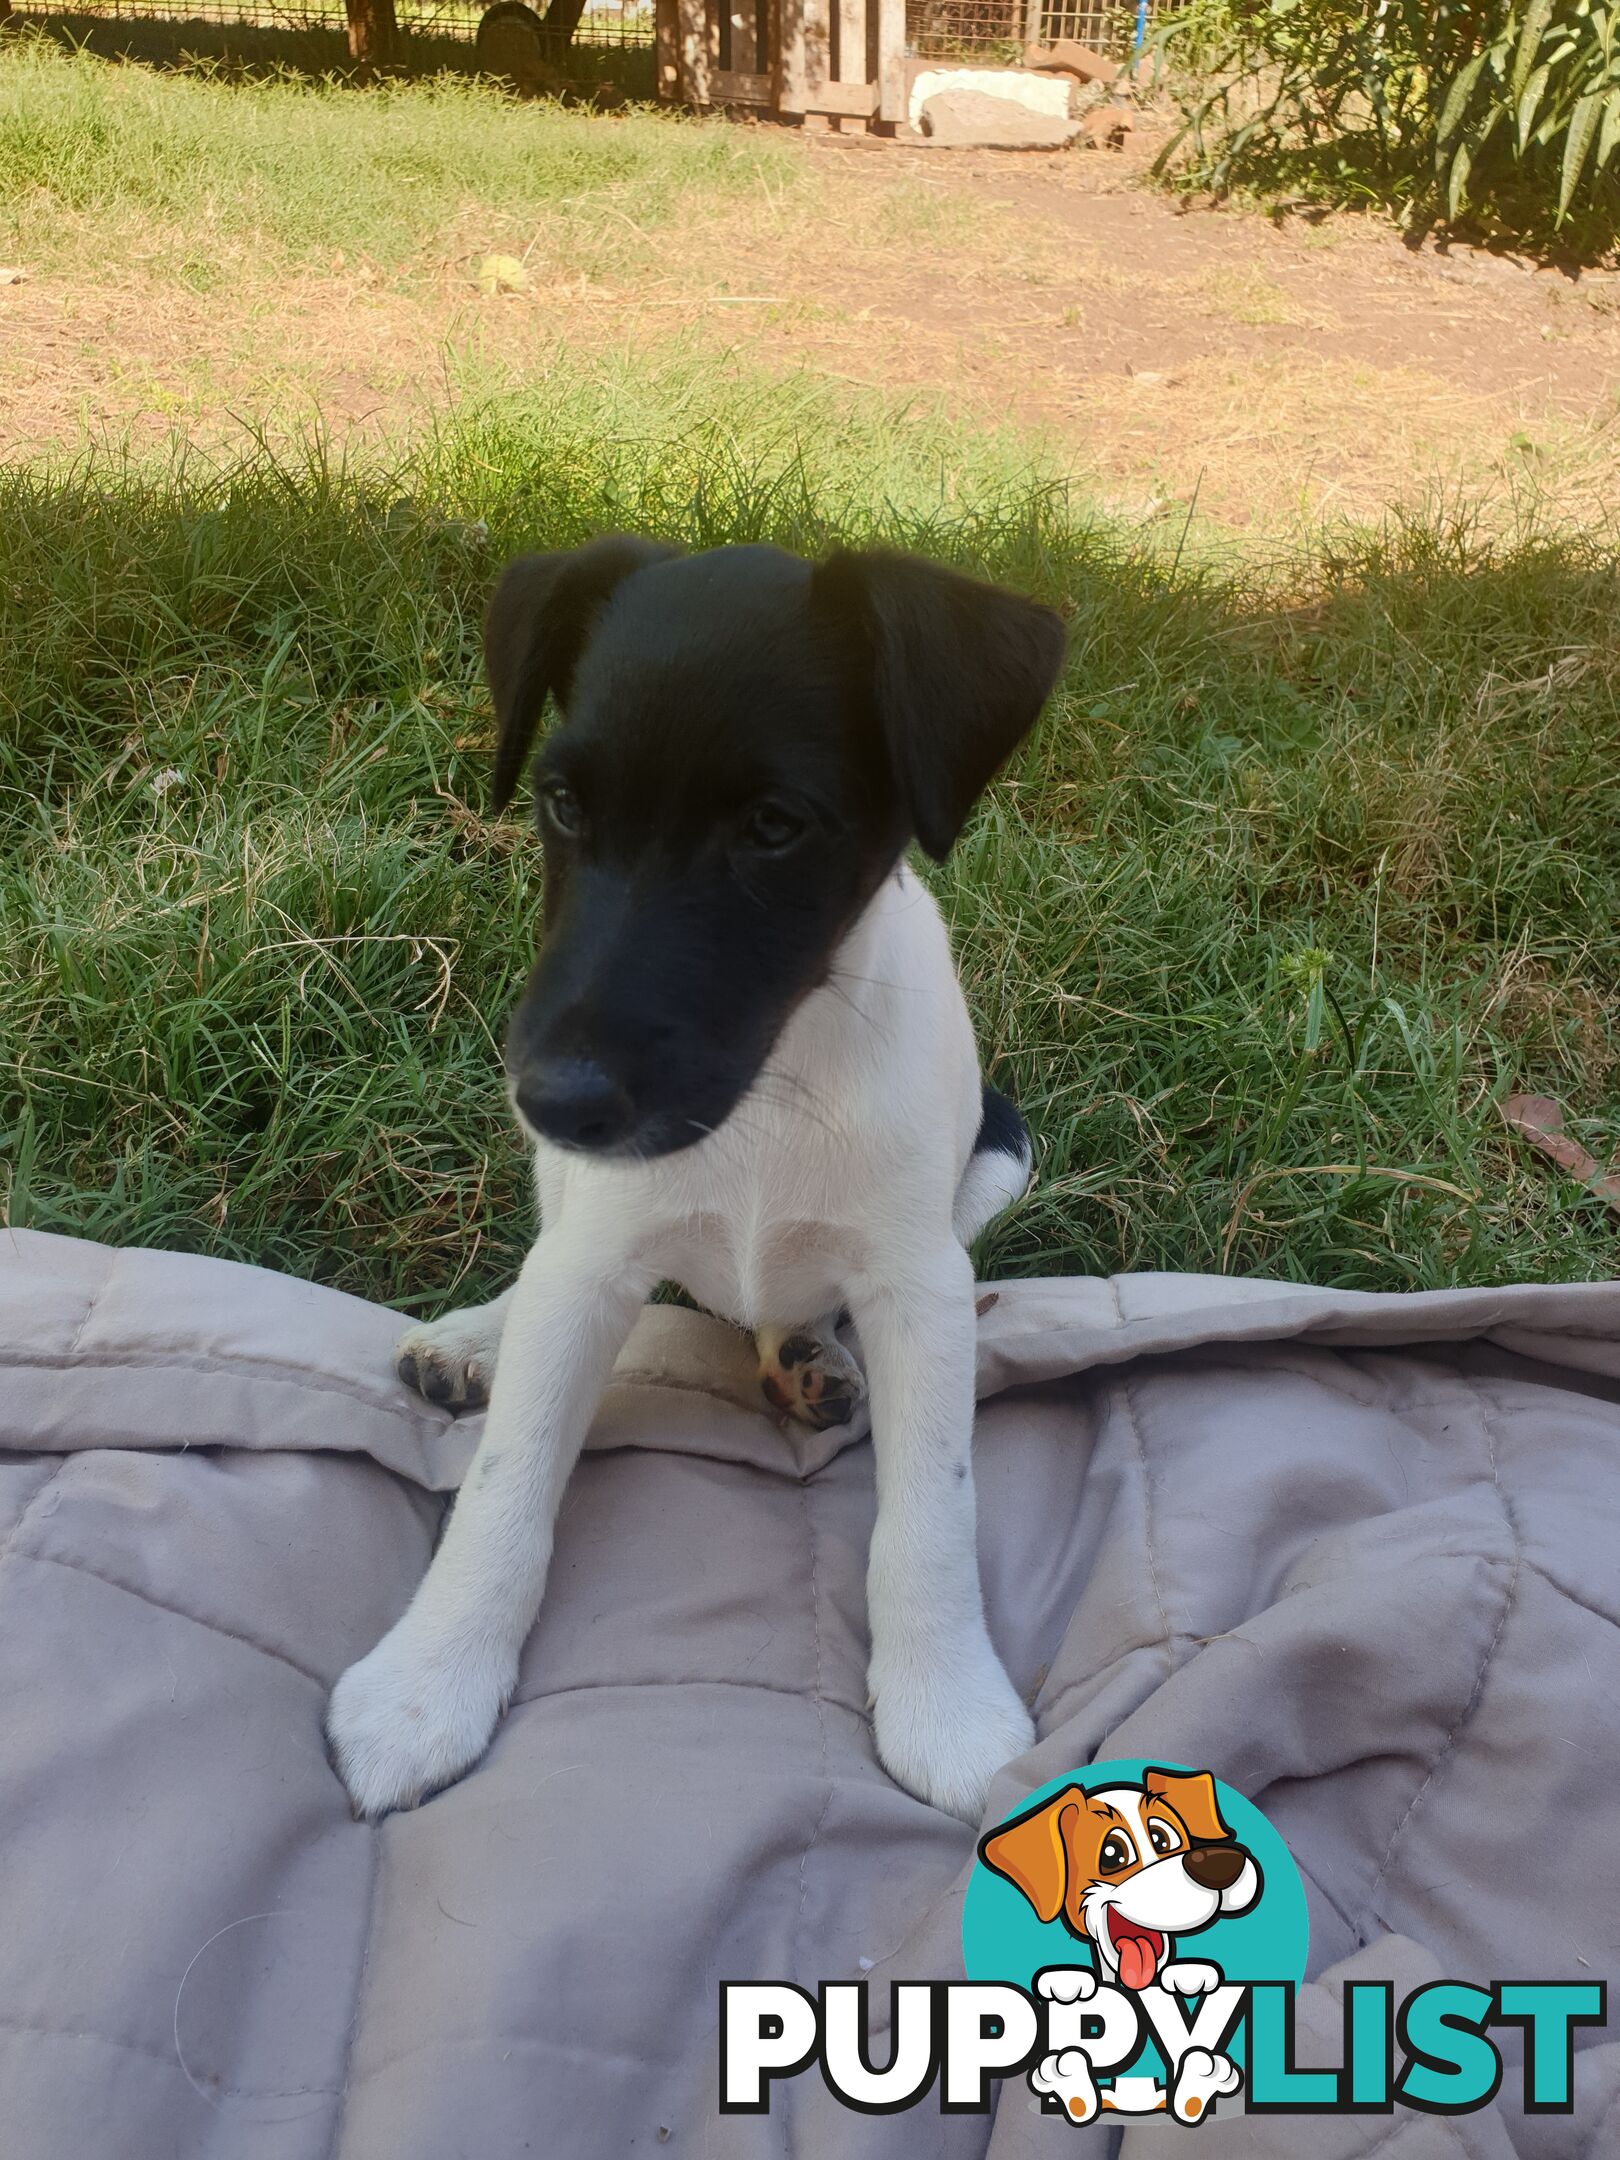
(1133, 1938)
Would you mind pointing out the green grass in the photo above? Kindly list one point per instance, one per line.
(102, 165)
(1306, 868)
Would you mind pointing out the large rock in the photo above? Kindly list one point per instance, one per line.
(976, 120)
(1038, 93)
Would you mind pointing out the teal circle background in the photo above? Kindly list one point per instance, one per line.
(1002, 1938)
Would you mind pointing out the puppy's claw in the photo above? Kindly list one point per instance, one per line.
(447, 1363)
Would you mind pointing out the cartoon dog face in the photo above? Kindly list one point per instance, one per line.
(1128, 1868)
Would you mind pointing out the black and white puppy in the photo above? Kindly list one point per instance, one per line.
(746, 1066)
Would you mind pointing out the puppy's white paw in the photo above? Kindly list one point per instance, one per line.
(1067, 2079)
(810, 1376)
(1189, 1976)
(1201, 2079)
(451, 1361)
(944, 1730)
(406, 1721)
(1066, 1983)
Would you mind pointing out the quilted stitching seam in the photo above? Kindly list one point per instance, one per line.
(25, 2028)
(1138, 1435)
(214, 1627)
(32, 1505)
(788, 2140)
(1448, 1746)
(373, 1901)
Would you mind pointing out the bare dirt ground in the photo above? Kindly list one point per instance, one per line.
(1272, 370)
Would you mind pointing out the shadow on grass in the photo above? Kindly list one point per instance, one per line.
(226, 50)
(1300, 875)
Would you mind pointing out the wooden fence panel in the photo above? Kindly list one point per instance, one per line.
(795, 57)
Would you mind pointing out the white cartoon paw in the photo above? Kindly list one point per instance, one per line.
(1190, 1976)
(1067, 2079)
(405, 1721)
(1201, 2079)
(1066, 1983)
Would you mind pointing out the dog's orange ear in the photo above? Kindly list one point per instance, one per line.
(1033, 1853)
(1192, 1794)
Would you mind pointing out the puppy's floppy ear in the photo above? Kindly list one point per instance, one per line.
(959, 673)
(535, 630)
(1032, 1851)
(1192, 1795)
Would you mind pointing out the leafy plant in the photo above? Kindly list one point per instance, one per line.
(1505, 113)
(1544, 95)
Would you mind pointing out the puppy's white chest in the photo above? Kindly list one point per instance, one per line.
(778, 1271)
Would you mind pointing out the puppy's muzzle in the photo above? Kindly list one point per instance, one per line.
(575, 1104)
(1215, 1867)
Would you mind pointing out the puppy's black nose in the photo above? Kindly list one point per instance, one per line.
(574, 1102)
(1214, 1867)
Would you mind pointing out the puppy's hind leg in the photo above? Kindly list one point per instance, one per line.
(807, 1373)
(998, 1170)
(453, 1360)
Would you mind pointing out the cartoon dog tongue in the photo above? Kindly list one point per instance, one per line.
(1139, 1951)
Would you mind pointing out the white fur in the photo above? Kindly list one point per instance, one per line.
(837, 1181)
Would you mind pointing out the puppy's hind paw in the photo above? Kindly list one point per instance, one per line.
(809, 1376)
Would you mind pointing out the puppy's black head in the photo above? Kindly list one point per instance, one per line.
(747, 745)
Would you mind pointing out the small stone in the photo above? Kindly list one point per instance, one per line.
(1105, 127)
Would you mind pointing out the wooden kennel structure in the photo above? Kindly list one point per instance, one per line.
(822, 62)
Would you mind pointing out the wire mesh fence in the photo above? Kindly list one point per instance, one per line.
(935, 29)
(991, 29)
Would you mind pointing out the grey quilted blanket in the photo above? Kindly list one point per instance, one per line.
(1358, 1555)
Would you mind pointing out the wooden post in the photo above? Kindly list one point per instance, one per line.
(852, 41)
(746, 42)
(891, 44)
(694, 51)
(817, 17)
(790, 64)
(373, 34)
(667, 31)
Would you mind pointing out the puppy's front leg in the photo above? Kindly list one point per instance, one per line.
(420, 1709)
(946, 1715)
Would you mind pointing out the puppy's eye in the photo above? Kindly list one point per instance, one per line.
(1116, 1853)
(1160, 1838)
(772, 828)
(562, 808)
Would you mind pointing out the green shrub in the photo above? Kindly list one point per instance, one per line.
(1504, 114)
